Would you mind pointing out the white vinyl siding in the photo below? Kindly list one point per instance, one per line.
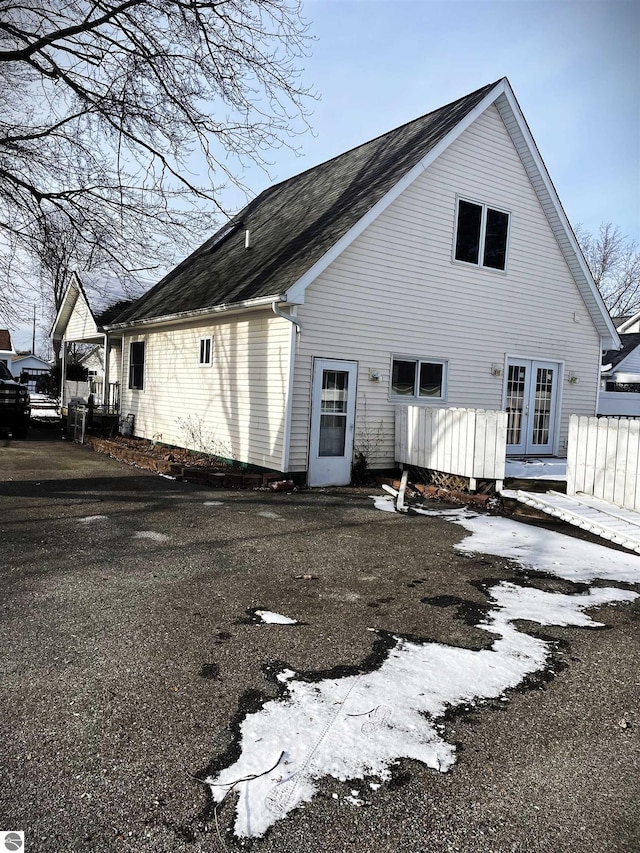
(396, 289)
(236, 408)
(81, 324)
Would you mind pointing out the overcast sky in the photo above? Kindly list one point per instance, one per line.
(574, 66)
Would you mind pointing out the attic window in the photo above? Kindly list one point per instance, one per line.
(481, 235)
(206, 351)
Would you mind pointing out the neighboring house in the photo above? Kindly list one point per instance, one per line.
(620, 394)
(290, 337)
(90, 301)
(7, 351)
(28, 367)
(628, 324)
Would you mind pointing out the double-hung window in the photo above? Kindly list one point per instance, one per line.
(136, 365)
(481, 235)
(419, 379)
(206, 351)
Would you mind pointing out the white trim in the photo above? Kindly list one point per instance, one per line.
(550, 202)
(288, 409)
(296, 292)
(629, 322)
(187, 316)
(203, 340)
(484, 207)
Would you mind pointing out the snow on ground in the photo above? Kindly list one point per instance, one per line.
(89, 519)
(275, 618)
(358, 726)
(154, 535)
(536, 469)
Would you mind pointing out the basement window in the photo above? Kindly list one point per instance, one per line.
(206, 351)
(418, 379)
(481, 235)
(136, 365)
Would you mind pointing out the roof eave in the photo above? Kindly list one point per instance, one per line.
(198, 314)
(533, 163)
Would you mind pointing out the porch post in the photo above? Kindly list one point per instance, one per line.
(105, 380)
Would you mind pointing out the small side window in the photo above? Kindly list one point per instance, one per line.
(206, 351)
(136, 365)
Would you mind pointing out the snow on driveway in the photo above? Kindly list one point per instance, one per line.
(358, 726)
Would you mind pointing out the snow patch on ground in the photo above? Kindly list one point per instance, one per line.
(268, 514)
(151, 534)
(360, 725)
(536, 469)
(90, 519)
(213, 503)
(275, 618)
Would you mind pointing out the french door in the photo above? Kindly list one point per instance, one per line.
(333, 406)
(531, 404)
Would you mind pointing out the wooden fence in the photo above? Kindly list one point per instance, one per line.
(603, 459)
(466, 442)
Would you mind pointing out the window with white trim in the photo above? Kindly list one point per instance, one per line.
(136, 365)
(482, 234)
(206, 351)
(419, 379)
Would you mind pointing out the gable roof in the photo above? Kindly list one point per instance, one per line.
(612, 358)
(294, 223)
(299, 226)
(105, 295)
(5, 341)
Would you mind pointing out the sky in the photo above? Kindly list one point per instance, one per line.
(574, 66)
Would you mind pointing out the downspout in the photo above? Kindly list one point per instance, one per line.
(285, 316)
(293, 345)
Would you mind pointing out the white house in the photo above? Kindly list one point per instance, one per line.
(89, 302)
(289, 339)
(620, 377)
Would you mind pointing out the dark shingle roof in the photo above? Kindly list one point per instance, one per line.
(294, 223)
(630, 341)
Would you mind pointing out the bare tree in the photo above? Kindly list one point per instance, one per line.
(614, 261)
(109, 109)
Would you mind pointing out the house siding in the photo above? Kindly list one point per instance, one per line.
(235, 408)
(396, 290)
(81, 324)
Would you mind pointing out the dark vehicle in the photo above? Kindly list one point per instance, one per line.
(15, 410)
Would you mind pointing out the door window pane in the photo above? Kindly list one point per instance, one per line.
(333, 430)
(335, 385)
(515, 402)
(495, 242)
(468, 233)
(542, 406)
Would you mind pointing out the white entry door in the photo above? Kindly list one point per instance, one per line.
(531, 403)
(333, 406)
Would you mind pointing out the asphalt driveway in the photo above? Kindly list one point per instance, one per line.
(129, 658)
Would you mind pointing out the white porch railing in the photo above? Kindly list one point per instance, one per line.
(603, 459)
(467, 442)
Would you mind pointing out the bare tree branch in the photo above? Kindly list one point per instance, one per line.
(108, 108)
(614, 261)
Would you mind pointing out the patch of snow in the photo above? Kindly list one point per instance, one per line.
(545, 550)
(360, 725)
(536, 469)
(285, 675)
(275, 618)
(375, 785)
(151, 534)
(167, 476)
(213, 503)
(268, 514)
(89, 519)
(386, 503)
